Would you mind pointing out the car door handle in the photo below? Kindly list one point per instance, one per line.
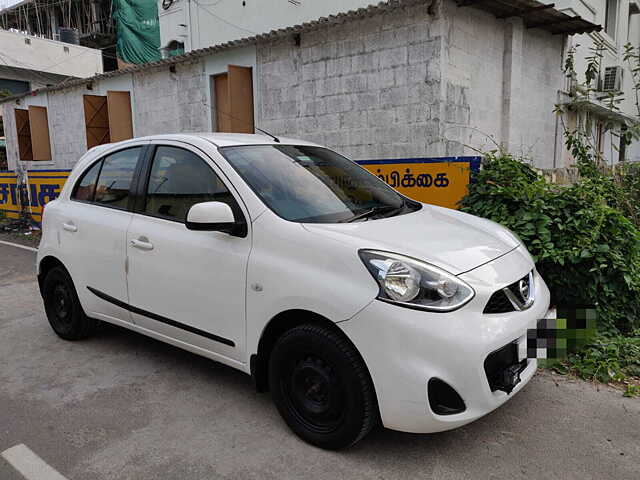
(70, 227)
(142, 244)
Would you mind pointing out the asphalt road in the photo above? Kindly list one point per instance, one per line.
(123, 406)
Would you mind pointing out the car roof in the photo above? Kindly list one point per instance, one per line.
(216, 139)
(230, 139)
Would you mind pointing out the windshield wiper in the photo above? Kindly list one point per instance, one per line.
(374, 211)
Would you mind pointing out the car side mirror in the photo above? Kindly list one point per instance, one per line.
(214, 217)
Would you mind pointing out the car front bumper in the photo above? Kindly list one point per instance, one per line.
(405, 348)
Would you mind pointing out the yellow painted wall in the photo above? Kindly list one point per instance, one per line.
(43, 186)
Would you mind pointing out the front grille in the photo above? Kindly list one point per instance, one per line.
(500, 302)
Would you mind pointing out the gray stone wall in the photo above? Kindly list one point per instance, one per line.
(422, 80)
(510, 76)
(370, 88)
(66, 127)
(11, 136)
(167, 102)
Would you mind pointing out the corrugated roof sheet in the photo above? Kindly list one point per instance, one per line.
(535, 17)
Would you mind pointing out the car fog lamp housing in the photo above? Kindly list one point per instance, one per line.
(415, 284)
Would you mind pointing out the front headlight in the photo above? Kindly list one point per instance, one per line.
(412, 283)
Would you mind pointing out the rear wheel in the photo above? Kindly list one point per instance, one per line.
(321, 387)
(63, 308)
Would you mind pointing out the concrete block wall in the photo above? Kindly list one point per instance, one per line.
(422, 80)
(474, 63)
(11, 135)
(370, 88)
(542, 78)
(167, 102)
(67, 130)
(511, 76)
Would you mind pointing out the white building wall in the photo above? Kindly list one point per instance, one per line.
(535, 134)
(49, 56)
(476, 52)
(627, 31)
(200, 24)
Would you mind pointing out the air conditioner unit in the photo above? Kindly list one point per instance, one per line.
(611, 80)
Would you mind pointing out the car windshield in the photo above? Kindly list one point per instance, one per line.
(314, 185)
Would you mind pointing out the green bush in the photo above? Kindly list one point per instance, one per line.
(587, 250)
(628, 178)
(615, 359)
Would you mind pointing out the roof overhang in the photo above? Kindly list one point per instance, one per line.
(535, 14)
(601, 110)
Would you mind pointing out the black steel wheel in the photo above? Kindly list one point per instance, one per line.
(321, 387)
(63, 308)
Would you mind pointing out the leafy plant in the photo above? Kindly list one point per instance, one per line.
(585, 248)
(632, 391)
(609, 359)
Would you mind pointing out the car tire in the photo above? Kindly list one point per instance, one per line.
(63, 308)
(322, 387)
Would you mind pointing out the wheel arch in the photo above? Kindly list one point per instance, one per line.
(278, 325)
(45, 265)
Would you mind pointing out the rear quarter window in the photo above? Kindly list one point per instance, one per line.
(108, 181)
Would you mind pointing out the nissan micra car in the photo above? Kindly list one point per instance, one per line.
(352, 304)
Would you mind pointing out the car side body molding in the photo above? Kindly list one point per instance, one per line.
(160, 318)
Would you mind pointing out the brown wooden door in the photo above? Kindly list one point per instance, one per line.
(96, 118)
(223, 112)
(234, 100)
(119, 111)
(241, 99)
(23, 128)
(39, 127)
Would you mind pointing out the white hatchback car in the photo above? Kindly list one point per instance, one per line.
(351, 303)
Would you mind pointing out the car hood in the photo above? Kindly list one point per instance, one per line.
(452, 240)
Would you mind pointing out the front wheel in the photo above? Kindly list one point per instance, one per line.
(321, 387)
(63, 308)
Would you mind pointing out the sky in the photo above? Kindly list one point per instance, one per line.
(7, 3)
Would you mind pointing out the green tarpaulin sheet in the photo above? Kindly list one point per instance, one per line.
(138, 30)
